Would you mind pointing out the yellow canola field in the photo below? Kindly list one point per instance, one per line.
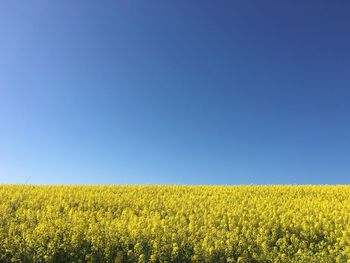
(174, 223)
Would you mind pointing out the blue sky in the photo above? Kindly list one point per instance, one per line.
(175, 92)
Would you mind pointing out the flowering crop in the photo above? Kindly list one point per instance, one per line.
(174, 223)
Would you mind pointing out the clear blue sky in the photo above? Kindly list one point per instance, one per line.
(175, 92)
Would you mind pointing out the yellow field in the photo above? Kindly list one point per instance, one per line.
(174, 224)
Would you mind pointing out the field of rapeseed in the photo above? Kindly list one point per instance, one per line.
(174, 223)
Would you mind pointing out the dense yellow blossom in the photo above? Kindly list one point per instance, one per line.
(174, 223)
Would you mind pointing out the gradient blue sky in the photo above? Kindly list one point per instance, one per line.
(175, 92)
